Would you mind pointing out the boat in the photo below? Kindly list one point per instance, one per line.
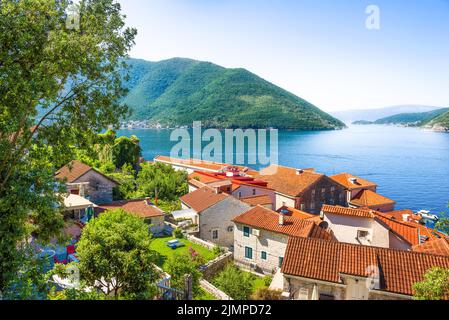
(425, 214)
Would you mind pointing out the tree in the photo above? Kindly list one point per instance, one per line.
(114, 252)
(161, 180)
(126, 151)
(181, 265)
(435, 285)
(234, 282)
(443, 224)
(60, 86)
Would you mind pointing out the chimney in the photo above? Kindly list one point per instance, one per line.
(353, 180)
(217, 190)
(299, 171)
(281, 220)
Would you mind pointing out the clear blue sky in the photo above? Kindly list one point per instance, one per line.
(319, 50)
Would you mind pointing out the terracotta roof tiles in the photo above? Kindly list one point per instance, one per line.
(203, 198)
(368, 198)
(137, 207)
(352, 182)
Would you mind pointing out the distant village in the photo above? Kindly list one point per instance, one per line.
(319, 237)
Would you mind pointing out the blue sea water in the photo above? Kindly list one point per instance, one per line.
(410, 165)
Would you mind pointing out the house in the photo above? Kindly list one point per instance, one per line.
(302, 189)
(262, 200)
(191, 165)
(233, 183)
(316, 269)
(214, 211)
(368, 227)
(438, 246)
(353, 184)
(261, 236)
(142, 208)
(372, 200)
(405, 215)
(87, 182)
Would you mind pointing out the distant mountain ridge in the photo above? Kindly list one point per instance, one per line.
(412, 119)
(440, 123)
(372, 115)
(178, 91)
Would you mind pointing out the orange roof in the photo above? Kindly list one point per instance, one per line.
(368, 198)
(137, 207)
(408, 232)
(258, 200)
(75, 170)
(208, 178)
(287, 180)
(266, 219)
(202, 199)
(362, 213)
(296, 213)
(351, 182)
(399, 215)
(327, 260)
(435, 246)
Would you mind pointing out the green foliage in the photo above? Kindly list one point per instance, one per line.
(161, 180)
(180, 91)
(435, 285)
(234, 282)
(178, 234)
(416, 119)
(126, 151)
(115, 247)
(218, 251)
(180, 265)
(59, 87)
(442, 225)
(264, 293)
(441, 121)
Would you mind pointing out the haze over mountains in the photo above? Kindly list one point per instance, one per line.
(350, 116)
(178, 91)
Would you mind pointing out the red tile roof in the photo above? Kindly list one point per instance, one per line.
(343, 211)
(258, 200)
(287, 180)
(399, 215)
(266, 219)
(296, 213)
(368, 198)
(434, 246)
(137, 207)
(203, 198)
(345, 179)
(75, 170)
(326, 260)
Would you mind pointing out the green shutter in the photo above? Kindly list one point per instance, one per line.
(264, 255)
(246, 231)
(281, 261)
(248, 253)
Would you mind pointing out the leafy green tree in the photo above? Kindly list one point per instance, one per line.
(435, 285)
(264, 293)
(161, 180)
(114, 251)
(443, 224)
(181, 265)
(60, 86)
(126, 151)
(234, 282)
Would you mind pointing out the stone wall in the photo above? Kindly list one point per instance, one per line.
(215, 266)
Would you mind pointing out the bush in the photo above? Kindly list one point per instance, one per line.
(266, 294)
(234, 282)
(178, 234)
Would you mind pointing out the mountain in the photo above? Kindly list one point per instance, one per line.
(349, 116)
(178, 91)
(440, 123)
(412, 119)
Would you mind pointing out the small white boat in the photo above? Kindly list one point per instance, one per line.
(428, 216)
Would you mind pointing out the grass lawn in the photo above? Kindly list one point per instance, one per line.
(160, 246)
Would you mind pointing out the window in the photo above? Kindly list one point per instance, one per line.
(281, 261)
(248, 253)
(230, 229)
(362, 234)
(254, 192)
(323, 191)
(240, 194)
(264, 255)
(312, 206)
(303, 207)
(246, 231)
(313, 193)
(284, 204)
(332, 189)
(215, 234)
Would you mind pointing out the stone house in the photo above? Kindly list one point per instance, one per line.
(87, 182)
(316, 269)
(261, 236)
(143, 208)
(302, 189)
(214, 212)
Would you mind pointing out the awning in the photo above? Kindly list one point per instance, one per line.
(76, 202)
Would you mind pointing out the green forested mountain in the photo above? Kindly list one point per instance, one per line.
(412, 118)
(179, 91)
(440, 123)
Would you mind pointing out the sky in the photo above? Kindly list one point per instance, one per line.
(321, 50)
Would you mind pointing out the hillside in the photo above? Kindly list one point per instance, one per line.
(349, 116)
(440, 123)
(412, 119)
(178, 91)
